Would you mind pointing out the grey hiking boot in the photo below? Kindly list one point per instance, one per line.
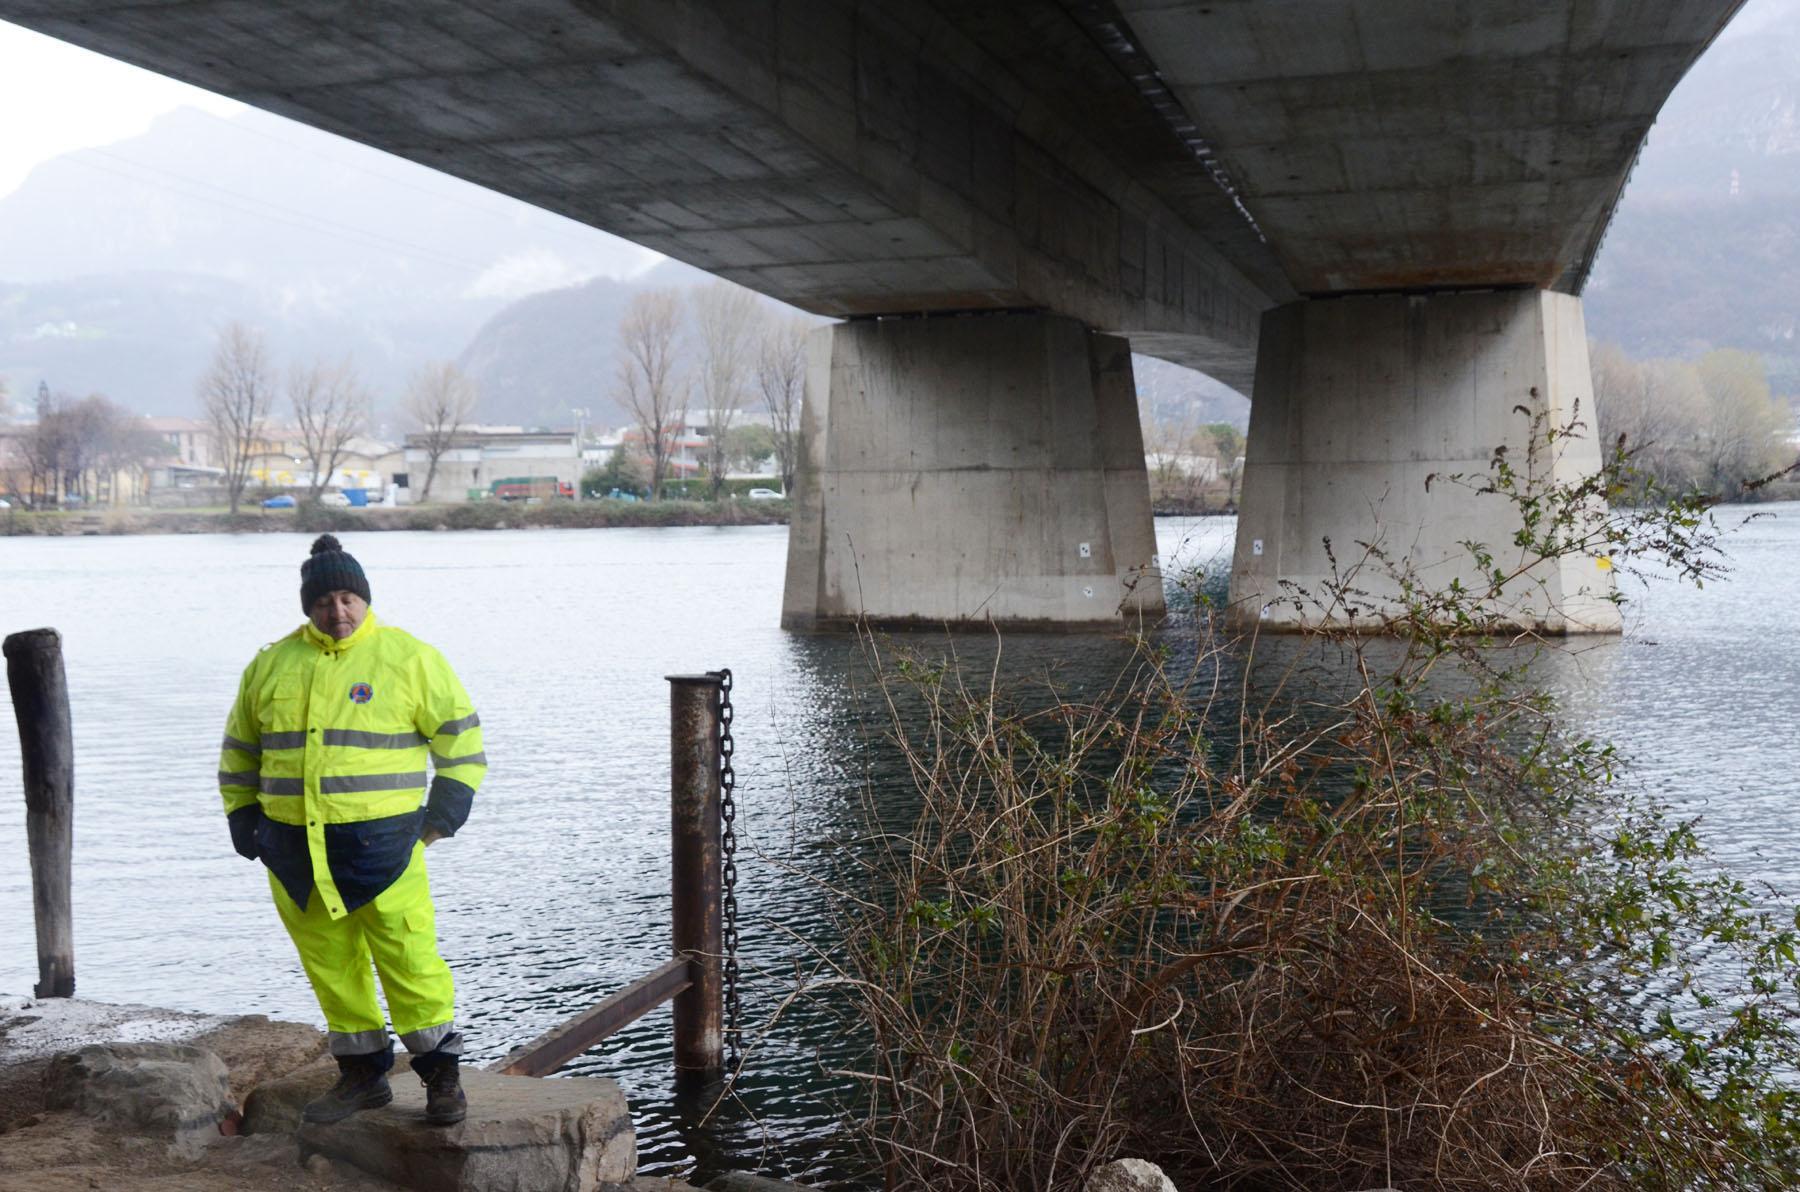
(362, 1084)
(445, 1104)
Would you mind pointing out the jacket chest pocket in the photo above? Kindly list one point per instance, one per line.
(282, 707)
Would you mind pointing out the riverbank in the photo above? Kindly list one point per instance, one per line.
(95, 1095)
(47, 1148)
(569, 515)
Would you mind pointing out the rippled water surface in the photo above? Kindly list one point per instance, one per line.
(556, 892)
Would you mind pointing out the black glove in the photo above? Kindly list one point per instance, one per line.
(244, 823)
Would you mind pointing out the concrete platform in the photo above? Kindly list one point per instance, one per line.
(521, 1135)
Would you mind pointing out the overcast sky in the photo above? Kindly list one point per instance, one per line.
(55, 98)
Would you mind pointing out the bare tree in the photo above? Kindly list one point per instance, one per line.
(1710, 423)
(82, 448)
(440, 399)
(726, 317)
(237, 394)
(331, 408)
(123, 446)
(1745, 433)
(653, 391)
(45, 449)
(781, 376)
(1654, 409)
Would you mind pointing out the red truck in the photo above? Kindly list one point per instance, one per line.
(524, 488)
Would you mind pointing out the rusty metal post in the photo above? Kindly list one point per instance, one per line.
(698, 928)
(40, 698)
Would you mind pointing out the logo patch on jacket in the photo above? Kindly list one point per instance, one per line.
(361, 693)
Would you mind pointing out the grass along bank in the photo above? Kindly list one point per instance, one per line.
(571, 515)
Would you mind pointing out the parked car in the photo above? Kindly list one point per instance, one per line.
(619, 494)
(282, 502)
(764, 494)
(339, 500)
(5, 504)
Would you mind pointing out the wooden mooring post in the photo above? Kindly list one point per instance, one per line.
(695, 976)
(40, 699)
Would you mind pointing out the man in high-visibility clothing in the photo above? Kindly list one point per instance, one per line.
(323, 774)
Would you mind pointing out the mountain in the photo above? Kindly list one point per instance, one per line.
(550, 352)
(119, 265)
(1172, 396)
(543, 355)
(1704, 250)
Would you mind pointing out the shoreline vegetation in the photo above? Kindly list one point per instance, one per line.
(312, 519)
(1389, 923)
(586, 515)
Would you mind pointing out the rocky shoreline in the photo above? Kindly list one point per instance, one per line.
(103, 1096)
(95, 1095)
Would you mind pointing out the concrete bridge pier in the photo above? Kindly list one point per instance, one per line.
(1361, 400)
(957, 469)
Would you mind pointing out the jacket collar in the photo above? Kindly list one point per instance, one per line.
(331, 645)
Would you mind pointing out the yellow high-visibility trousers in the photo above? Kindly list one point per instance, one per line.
(397, 933)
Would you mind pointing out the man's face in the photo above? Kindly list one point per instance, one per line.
(338, 613)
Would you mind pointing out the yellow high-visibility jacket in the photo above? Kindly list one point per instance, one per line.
(323, 768)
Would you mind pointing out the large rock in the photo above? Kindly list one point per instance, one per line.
(1129, 1175)
(273, 1107)
(522, 1135)
(172, 1090)
(257, 1049)
(743, 1181)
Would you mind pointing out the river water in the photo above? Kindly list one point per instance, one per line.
(556, 892)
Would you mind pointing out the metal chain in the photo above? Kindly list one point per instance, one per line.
(728, 862)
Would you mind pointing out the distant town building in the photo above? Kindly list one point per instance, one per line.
(480, 455)
(1184, 465)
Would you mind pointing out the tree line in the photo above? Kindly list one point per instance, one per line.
(330, 406)
(238, 396)
(1709, 425)
(78, 448)
(717, 351)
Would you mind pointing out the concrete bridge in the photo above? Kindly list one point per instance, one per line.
(1375, 216)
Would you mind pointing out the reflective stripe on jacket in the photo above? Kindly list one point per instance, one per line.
(330, 740)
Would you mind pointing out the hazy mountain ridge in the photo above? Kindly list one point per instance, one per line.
(127, 335)
(544, 354)
(333, 249)
(1704, 250)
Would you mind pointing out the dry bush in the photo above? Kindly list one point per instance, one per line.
(1393, 930)
(1358, 946)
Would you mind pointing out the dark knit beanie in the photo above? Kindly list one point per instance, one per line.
(331, 569)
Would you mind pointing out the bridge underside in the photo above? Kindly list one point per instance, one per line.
(1166, 171)
(847, 158)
